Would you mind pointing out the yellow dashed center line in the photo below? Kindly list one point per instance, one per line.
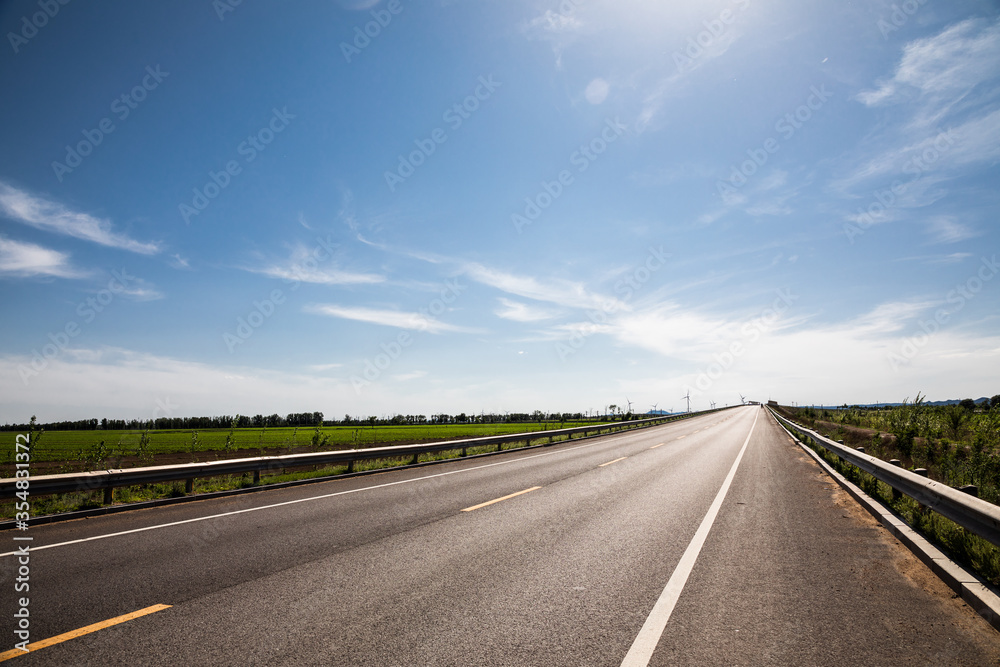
(659, 445)
(610, 462)
(73, 634)
(497, 500)
(681, 437)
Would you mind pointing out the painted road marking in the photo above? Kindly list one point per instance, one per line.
(497, 500)
(649, 636)
(681, 437)
(73, 634)
(659, 445)
(610, 462)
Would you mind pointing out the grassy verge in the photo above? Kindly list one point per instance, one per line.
(962, 546)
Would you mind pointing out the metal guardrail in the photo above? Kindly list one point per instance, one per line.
(108, 480)
(973, 514)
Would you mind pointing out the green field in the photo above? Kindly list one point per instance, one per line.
(99, 449)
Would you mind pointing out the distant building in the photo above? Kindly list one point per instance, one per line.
(773, 404)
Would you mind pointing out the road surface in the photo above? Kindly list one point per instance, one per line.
(713, 540)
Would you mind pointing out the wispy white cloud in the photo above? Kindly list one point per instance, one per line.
(887, 317)
(975, 141)
(50, 216)
(321, 276)
(561, 292)
(945, 229)
(522, 312)
(950, 119)
(942, 67)
(389, 318)
(139, 290)
(951, 258)
(27, 259)
(321, 368)
(303, 266)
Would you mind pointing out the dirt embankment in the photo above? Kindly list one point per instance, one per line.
(853, 436)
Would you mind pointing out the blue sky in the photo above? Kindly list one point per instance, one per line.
(378, 207)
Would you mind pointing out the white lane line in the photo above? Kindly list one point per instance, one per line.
(309, 499)
(649, 636)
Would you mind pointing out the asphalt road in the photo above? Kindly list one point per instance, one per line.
(413, 568)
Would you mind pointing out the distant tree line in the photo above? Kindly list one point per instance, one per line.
(304, 419)
(184, 423)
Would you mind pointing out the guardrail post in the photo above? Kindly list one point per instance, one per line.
(921, 508)
(189, 485)
(861, 449)
(350, 466)
(465, 451)
(109, 495)
(971, 489)
(416, 457)
(256, 477)
(896, 495)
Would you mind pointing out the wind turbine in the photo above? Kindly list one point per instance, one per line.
(743, 398)
(713, 405)
(654, 407)
(629, 405)
(687, 397)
